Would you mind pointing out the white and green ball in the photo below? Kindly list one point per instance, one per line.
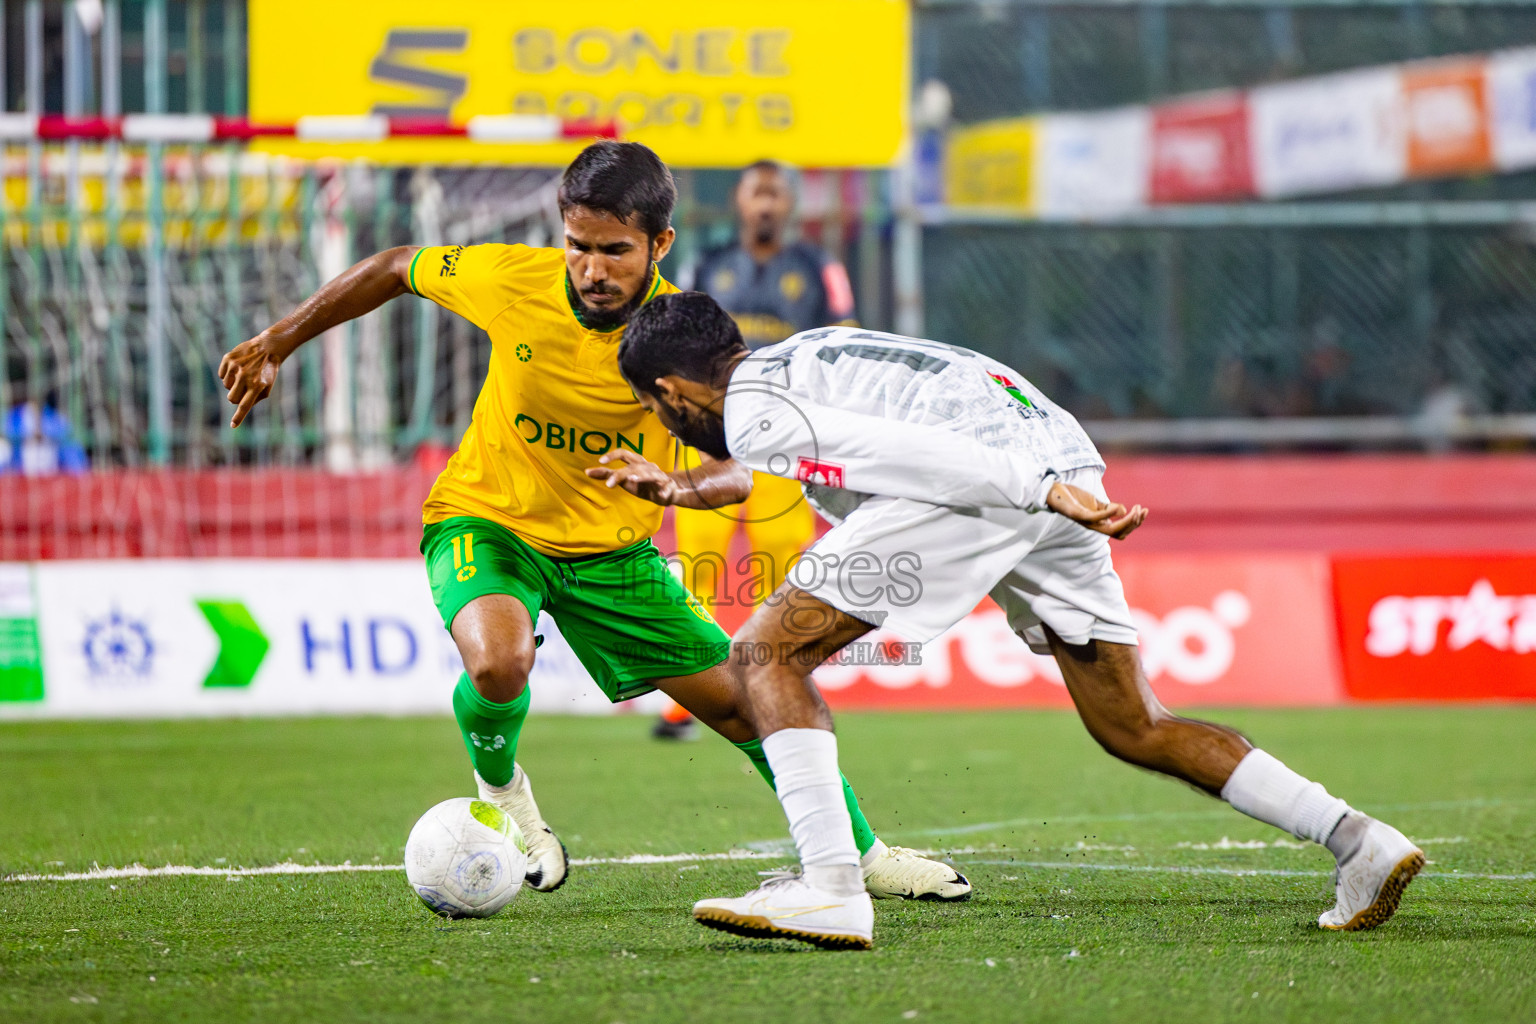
(466, 858)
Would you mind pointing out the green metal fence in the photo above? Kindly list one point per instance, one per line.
(126, 272)
(1221, 320)
(1409, 302)
(100, 275)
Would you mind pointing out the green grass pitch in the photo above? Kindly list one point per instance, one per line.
(1103, 893)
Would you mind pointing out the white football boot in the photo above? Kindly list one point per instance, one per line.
(1370, 882)
(788, 907)
(547, 861)
(895, 872)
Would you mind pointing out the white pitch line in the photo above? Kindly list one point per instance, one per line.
(290, 868)
(1050, 865)
(1474, 803)
(140, 871)
(675, 858)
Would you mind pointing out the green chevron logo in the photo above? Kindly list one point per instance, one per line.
(242, 644)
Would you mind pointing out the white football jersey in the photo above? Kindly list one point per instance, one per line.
(851, 412)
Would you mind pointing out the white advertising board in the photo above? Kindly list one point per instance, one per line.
(1093, 165)
(123, 638)
(1512, 95)
(1327, 134)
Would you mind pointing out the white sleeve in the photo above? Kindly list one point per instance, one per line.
(799, 439)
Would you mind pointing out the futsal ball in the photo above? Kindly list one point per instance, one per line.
(466, 858)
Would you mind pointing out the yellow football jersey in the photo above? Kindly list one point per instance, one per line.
(553, 401)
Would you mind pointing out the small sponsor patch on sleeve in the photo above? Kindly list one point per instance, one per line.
(814, 471)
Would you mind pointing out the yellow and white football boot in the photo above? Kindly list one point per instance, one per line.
(548, 864)
(788, 907)
(1370, 881)
(897, 873)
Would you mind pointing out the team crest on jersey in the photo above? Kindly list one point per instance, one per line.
(814, 471)
(699, 610)
(792, 286)
(1028, 409)
(523, 352)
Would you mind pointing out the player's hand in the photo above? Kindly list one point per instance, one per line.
(1112, 519)
(249, 370)
(637, 475)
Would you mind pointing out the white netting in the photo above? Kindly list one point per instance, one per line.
(95, 269)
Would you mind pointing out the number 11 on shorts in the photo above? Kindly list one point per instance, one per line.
(464, 556)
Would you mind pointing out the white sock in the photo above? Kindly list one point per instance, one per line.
(872, 854)
(1263, 788)
(804, 763)
(498, 790)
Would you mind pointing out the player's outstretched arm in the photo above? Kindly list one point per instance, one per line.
(250, 368)
(1112, 519)
(713, 484)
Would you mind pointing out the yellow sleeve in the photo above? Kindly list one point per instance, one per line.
(475, 281)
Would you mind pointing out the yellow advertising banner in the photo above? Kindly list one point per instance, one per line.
(195, 199)
(706, 83)
(992, 164)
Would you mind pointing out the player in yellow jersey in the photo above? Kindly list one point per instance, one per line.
(550, 501)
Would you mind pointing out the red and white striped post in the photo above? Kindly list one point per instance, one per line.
(206, 128)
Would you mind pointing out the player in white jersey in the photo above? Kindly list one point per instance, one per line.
(949, 478)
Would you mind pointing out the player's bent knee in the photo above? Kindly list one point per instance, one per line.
(499, 680)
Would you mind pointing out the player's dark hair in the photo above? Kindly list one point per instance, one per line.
(624, 179)
(686, 334)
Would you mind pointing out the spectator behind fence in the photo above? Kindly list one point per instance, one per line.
(39, 442)
(773, 287)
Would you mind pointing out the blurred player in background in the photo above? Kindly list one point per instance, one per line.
(773, 288)
(523, 519)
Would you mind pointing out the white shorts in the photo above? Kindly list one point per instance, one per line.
(916, 569)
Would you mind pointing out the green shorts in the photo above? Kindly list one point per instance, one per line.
(625, 615)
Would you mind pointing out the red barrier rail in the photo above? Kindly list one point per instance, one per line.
(228, 513)
(1384, 503)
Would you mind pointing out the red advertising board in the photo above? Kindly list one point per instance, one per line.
(1459, 627)
(1200, 150)
(1251, 629)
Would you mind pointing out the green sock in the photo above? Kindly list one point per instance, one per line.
(490, 729)
(863, 835)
